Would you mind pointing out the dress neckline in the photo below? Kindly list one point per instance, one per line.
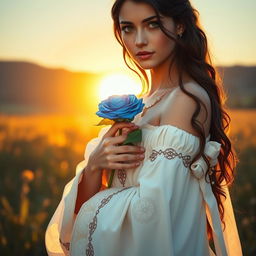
(150, 126)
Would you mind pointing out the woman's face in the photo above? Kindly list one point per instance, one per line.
(140, 32)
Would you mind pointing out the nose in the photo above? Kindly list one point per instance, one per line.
(140, 39)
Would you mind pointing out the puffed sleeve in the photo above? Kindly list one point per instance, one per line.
(226, 240)
(59, 230)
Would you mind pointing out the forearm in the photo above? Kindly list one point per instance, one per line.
(88, 187)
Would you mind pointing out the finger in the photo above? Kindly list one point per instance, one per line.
(128, 130)
(115, 127)
(127, 149)
(127, 158)
(111, 141)
(125, 130)
(119, 166)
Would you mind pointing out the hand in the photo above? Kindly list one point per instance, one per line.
(109, 155)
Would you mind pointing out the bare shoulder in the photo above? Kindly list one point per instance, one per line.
(180, 107)
(194, 89)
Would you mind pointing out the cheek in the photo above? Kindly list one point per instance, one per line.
(128, 44)
(163, 42)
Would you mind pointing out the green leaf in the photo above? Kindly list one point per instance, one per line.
(111, 178)
(123, 120)
(133, 137)
(105, 121)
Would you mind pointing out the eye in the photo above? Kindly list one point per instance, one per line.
(126, 29)
(153, 24)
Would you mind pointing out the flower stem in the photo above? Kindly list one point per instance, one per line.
(111, 178)
(113, 171)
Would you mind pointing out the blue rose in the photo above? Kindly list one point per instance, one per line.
(120, 107)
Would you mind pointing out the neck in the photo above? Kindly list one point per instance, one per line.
(161, 78)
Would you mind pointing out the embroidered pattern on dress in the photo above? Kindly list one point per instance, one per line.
(66, 245)
(93, 223)
(144, 209)
(122, 176)
(170, 153)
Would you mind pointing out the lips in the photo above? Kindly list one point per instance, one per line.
(144, 55)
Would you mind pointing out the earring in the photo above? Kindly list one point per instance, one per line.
(180, 30)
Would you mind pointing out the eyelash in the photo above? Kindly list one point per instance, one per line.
(153, 22)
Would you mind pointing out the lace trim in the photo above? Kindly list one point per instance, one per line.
(93, 223)
(170, 153)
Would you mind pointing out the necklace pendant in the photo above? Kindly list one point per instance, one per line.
(143, 112)
(153, 100)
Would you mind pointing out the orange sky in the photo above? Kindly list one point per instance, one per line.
(78, 34)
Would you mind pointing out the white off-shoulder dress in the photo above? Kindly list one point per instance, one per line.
(159, 208)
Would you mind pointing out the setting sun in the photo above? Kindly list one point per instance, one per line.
(118, 84)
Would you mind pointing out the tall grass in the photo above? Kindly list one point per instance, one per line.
(38, 156)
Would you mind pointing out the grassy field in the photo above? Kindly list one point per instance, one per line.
(38, 155)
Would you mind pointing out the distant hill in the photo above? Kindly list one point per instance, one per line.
(30, 88)
(240, 85)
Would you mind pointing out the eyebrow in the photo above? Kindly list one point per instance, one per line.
(145, 20)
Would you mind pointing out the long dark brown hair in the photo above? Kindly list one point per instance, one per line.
(191, 55)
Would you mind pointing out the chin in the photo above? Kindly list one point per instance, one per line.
(147, 65)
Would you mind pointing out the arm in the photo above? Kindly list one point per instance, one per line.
(98, 157)
(89, 185)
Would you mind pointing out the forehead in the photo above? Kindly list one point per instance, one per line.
(131, 11)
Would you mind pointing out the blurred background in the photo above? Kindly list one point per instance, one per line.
(58, 59)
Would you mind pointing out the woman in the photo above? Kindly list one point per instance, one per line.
(170, 196)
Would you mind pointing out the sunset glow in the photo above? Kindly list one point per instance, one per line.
(33, 35)
(118, 84)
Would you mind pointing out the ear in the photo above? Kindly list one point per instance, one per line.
(180, 28)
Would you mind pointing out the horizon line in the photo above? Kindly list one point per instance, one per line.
(100, 71)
